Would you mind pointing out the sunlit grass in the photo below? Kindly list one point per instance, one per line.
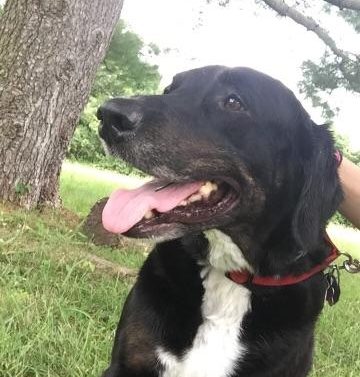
(57, 312)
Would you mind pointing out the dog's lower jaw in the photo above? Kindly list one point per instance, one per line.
(217, 348)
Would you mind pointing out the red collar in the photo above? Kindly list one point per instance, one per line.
(243, 277)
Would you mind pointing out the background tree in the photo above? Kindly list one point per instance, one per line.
(49, 53)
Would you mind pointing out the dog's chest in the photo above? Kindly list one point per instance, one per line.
(217, 346)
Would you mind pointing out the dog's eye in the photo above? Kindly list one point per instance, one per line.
(234, 103)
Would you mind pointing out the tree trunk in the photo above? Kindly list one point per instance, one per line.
(49, 53)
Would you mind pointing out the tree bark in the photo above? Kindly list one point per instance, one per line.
(49, 53)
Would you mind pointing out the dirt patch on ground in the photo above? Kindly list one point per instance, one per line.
(93, 229)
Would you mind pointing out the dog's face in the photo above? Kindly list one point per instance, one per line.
(228, 148)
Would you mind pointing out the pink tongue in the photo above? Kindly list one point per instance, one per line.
(125, 208)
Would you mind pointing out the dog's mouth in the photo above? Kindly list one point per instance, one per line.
(158, 203)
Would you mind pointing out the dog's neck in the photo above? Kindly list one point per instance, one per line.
(224, 254)
(245, 248)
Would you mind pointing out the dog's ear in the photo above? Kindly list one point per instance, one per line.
(321, 192)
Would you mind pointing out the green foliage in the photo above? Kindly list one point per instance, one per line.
(318, 78)
(122, 73)
(342, 143)
(338, 218)
(324, 77)
(352, 17)
(332, 72)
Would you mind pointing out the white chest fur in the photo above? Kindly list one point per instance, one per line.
(217, 345)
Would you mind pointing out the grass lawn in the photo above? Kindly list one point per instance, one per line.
(58, 312)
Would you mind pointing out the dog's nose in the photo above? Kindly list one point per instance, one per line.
(118, 116)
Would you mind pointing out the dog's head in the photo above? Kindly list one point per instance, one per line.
(230, 148)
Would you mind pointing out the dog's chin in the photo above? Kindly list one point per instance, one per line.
(168, 232)
(157, 233)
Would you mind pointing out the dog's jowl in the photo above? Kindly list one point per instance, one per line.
(243, 181)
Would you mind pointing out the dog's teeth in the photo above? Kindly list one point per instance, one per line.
(195, 198)
(149, 215)
(204, 192)
(207, 189)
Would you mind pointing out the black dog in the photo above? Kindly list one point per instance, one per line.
(245, 181)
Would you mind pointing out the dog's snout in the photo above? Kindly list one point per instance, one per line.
(117, 117)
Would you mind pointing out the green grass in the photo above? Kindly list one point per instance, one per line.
(337, 338)
(58, 312)
(338, 331)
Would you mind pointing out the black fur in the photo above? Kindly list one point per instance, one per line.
(283, 168)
